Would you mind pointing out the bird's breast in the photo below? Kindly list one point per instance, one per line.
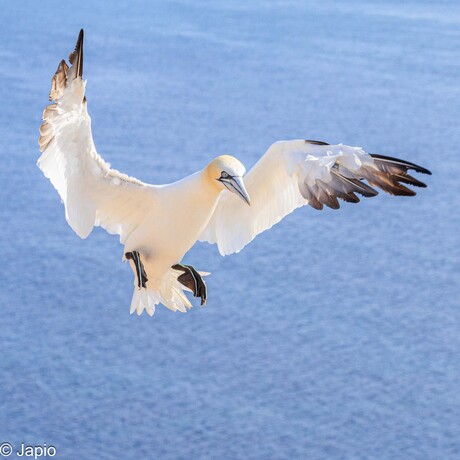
(174, 225)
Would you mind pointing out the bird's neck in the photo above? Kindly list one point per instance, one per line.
(209, 188)
(198, 190)
(198, 198)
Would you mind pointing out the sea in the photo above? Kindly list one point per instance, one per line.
(335, 335)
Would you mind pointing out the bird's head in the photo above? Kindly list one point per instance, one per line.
(227, 172)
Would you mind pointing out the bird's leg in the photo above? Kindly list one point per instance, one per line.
(140, 271)
(192, 280)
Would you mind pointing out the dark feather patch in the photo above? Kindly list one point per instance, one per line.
(308, 141)
(355, 185)
(407, 179)
(76, 56)
(386, 173)
(59, 81)
(400, 163)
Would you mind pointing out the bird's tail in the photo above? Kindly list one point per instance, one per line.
(167, 291)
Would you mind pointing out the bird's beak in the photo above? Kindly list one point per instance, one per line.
(236, 185)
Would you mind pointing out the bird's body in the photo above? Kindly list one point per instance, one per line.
(158, 224)
(193, 200)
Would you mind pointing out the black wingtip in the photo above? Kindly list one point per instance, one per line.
(76, 57)
(309, 141)
(407, 164)
(79, 49)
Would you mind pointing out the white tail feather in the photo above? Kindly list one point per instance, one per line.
(168, 291)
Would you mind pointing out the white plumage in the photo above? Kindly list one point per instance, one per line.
(158, 224)
(275, 186)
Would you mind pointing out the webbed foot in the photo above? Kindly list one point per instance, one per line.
(140, 271)
(192, 280)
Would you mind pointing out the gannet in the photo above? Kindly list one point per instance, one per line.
(219, 204)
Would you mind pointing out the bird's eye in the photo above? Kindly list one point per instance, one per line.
(224, 175)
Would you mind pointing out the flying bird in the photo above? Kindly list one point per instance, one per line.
(220, 204)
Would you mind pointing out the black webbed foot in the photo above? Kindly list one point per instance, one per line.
(140, 271)
(192, 280)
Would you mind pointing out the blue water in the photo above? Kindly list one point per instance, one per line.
(335, 335)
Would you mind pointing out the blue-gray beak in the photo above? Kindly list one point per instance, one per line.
(236, 185)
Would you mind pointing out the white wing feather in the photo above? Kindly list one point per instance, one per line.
(274, 194)
(92, 192)
(295, 173)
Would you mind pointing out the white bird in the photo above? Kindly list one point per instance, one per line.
(158, 224)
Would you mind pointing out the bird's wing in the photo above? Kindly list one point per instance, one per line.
(295, 173)
(92, 192)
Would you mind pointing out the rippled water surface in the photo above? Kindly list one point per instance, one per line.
(335, 335)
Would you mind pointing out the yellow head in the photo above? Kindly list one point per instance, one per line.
(227, 172)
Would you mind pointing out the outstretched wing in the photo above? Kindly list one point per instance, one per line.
(296, 173)
(92, 192)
